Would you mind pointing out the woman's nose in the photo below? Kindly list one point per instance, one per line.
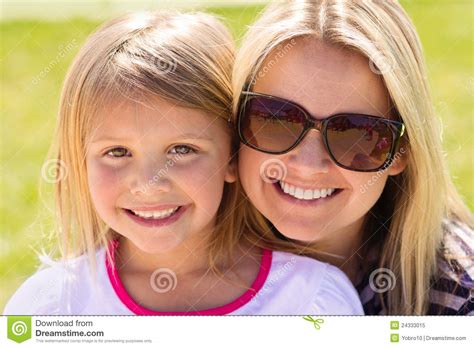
(310, 156)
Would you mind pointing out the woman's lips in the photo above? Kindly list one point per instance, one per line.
(304, 202)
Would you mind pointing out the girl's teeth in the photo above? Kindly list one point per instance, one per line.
(303, 194)
(155, 214)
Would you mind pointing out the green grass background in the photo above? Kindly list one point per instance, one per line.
(32, 72)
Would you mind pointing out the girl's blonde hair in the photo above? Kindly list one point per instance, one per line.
(185, 58)
(414, 202)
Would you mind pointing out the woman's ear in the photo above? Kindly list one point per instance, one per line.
(231, 171)
(400, 161)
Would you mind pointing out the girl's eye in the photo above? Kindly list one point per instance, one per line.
(182, 150)
(118, 152)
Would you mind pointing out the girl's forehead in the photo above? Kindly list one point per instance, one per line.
(129, 119)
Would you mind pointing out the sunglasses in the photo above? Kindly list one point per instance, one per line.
(356, 142)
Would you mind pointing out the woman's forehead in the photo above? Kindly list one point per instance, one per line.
(323, 78)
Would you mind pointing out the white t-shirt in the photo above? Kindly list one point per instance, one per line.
(287, 284)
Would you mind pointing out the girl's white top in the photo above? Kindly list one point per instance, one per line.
(287, 284)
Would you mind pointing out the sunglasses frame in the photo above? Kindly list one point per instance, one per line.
(397, 128)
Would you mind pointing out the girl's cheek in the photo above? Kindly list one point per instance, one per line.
(104, 183)
(197, 170)
(199, 175)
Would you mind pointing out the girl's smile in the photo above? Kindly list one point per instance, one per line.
(156, 216)
(153, 171)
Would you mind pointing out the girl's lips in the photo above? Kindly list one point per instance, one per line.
(303, 202)
(151, 222)
(154, 207)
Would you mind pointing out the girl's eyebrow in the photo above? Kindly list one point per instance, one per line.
(109, 139)
(195, 136)
(125, 139)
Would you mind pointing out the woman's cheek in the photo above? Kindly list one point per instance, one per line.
(367, 188)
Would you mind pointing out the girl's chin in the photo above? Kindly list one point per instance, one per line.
(157, 243)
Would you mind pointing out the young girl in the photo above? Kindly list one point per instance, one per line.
(334, 96)
(150, 219)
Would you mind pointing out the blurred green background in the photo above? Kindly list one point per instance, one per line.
(36, 52)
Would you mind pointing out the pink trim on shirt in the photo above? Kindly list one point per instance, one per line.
(128, 301)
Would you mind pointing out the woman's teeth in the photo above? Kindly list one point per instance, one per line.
(301, 193)
(160, 214)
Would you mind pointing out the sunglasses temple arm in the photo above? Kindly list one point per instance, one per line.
(402, 131)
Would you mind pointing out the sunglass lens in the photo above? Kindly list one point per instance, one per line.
(271, 125)
(359, 142)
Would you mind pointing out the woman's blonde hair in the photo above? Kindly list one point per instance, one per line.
(414, 202)
(185, 58)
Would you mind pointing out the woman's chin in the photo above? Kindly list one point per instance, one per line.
(297, 230)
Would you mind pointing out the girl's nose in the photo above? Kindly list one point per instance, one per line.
(310, 156)
(151, 178)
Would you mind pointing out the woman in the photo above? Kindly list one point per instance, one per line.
(341, 153)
